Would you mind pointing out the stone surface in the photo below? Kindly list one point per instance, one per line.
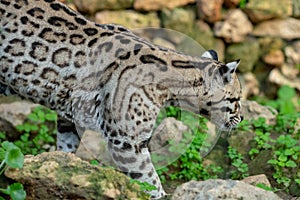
(258, 10)
(180, 19)
(292, 67)
(256, 179)
(151, 5)
(12, 114)
(59, 175)
(252, 110)
(278, 78)
(128, 18)
(248, 51)
(268, 44)
(274, 58)
(209, 10)
(167, 135)
(292, 53)
(235, 27)
(288, 28)
(250, 85)
(93, 146)
(296, 8)
(93, 6)
(221, 189)
(204, 36)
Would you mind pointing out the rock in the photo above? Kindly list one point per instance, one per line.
(258, 10)
(292, 53)
(235, 27)
(181, 20)
(221, 189)
(231, 3)
(209, 10)
(93, 146)
(274, 58)
(153, 5)
(92, 6)
(296, 8)
(288, 28)
(128, 18)
(256, 179)
(59, 175)
(204, 36)
(248, 51)
(269, 44)
(168, 134)
(292, 66)
(259, 165)
(252, 110)
(278, 78)
(250, 85)
(290, 71)
(12, 114)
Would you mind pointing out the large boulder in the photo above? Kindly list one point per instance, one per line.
(59, 175)
(221, 189)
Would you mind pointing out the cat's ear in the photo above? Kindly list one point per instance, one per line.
(210, 54)
(227, 70)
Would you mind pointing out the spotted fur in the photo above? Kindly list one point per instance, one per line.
(104, 78)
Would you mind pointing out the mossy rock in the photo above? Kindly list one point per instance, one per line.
(59, 175)
(248, 51)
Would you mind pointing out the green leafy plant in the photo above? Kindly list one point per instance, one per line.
(189, 165)
(281, 139)
(285, 159)
(237, 161)
(145, 186)
(11, 155)
(37, 131)
(285, 102)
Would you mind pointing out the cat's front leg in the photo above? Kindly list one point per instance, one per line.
(135, 161)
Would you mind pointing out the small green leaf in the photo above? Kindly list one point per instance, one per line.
(273, 162)
(291, 163)
(288, 152)
(94, 162)
(263, 186)
(51, 117)
(14, 158)
(282, 158)
(17, 192)
(8, 145)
